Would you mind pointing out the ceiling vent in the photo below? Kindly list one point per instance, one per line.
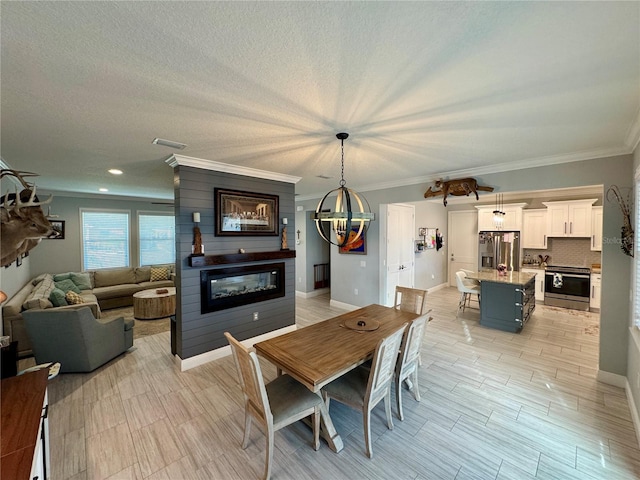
(169, 143)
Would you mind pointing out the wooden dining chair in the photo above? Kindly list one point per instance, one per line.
(408, 360)
(410, 300)
(363, 388)
(273, 405)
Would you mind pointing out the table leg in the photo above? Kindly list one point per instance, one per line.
(328, 431)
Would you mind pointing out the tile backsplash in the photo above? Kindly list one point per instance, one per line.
(567, 251)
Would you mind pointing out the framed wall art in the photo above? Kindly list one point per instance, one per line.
(58, 230)
(245, 213)
(359, 246)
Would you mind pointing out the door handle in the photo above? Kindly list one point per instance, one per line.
(565, 227)
(570, 227)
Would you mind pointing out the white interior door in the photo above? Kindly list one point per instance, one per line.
(462, 243)
(400, 229)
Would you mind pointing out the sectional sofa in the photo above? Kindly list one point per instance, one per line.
(98, 289)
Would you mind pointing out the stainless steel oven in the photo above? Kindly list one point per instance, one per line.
(567, 287)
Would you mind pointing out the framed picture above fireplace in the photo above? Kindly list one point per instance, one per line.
(245, 214)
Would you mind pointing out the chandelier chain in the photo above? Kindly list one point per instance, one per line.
(342, 181)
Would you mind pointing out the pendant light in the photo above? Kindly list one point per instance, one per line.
(498, 213)
(349, 220)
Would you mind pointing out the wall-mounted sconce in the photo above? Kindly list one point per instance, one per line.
(197, 248)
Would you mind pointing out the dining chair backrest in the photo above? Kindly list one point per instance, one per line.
(409, 360)
(383, 364)
(410, 300)
(252, 383)
(411, 343)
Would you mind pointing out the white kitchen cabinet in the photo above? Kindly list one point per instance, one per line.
(594, 299)
(570, 218)
(534, 228)
(512, 219)
(539, 282)
(596, 229)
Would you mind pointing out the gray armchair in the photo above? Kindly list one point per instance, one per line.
(76, 339)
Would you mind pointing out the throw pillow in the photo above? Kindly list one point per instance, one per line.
(57, 297)
(81, 280)
(159, 273)
(73, 298)
(66, 285)
(58, 277)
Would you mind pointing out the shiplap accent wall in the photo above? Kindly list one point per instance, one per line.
(198, 333)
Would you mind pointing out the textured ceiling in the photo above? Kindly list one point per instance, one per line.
(426, 89)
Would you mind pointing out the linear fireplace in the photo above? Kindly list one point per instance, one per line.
(230, 287)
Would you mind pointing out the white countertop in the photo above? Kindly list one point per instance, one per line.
(518, 278)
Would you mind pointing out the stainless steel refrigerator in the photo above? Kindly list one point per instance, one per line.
(498, 247)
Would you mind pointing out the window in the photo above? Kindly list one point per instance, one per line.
(156, 233)
(105, 239)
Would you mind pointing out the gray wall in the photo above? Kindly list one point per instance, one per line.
(431, 265)
(199, 333)
(633, 354)
(346, 274)
(312, 250)
(57, 256)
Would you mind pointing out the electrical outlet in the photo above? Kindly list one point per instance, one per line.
(355, 291)
(638, 381)
(432, 276)
(363, 263)
(299, 279)
(255, 316)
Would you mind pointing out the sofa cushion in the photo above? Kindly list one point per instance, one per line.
(116, 291)
(159, 273)
(118, 276)
(58, 277)
(57, 298)
(81, 280)
(66, 285)
(39, 296)
(73, 298)
(143, 274)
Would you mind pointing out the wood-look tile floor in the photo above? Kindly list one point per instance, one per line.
(494, 405)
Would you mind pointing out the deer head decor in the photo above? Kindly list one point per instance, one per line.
(625, 207)
(23, 221)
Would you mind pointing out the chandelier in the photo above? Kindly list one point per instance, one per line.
(349, 219)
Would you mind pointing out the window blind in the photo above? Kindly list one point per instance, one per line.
(105, 239)
(156, 235)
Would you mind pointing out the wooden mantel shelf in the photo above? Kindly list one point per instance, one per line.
(204, 260)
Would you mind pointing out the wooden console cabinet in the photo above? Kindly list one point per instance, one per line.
(24, 440)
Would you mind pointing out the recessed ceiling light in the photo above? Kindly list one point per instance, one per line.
(169, 143)
(103, 189)
(114, 171)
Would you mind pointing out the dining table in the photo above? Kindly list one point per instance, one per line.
(318, 354)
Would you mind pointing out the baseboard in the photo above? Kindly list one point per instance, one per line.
(436, 288)
(609, 378)
(196, 361)
(634, 412)
(314, 293)
(345, 306)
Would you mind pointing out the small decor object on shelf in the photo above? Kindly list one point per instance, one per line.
(458, 187)
(284, 239)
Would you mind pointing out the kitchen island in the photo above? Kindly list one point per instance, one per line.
(507, 301)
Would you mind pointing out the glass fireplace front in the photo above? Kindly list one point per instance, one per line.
(223, 288)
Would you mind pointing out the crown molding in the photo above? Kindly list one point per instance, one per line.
(489, 169)
(633, 135)
(175, 160)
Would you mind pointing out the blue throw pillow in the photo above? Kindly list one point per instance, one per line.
(57, 298)
(81, 280)
(66, 285)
